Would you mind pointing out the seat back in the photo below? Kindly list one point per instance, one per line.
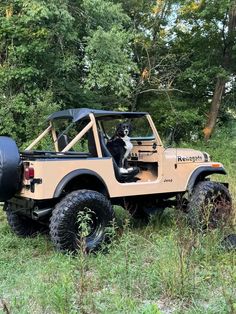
(92, 146)
(62, 141)
(104, 149)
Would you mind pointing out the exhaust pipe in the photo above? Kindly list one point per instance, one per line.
(39, 213)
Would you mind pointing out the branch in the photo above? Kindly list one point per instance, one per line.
(149, 63)
(163, 90)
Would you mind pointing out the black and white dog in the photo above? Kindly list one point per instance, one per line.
(120, 146)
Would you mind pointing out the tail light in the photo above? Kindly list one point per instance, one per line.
(29, 173)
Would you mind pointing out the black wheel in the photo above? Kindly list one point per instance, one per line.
(10, 168)
(229, 242)
(136, 210)
(80, 221)
(210, 206)
(182, 202)
(142, 209)
(21, 225)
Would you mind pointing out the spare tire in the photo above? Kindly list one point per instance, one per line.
(10, 168)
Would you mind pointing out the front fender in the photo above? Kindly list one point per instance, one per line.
(202, 172)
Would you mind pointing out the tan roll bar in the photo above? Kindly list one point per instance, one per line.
(45, 132)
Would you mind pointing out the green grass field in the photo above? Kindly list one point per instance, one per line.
(159, 268)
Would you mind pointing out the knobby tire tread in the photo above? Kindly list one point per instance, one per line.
(65, 209)
(22, 226)
(198, 199)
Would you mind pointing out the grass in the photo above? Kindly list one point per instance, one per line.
(159, 268)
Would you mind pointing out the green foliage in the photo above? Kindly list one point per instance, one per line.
(32, 39)
(202, 35)
(31, 112)
(175, 118)
(160, 56)
(109, 67)
(104, 14)
(47, 60)
(107, 60)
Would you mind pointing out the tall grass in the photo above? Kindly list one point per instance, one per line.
(162, 267)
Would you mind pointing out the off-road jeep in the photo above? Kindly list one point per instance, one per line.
(77, 174)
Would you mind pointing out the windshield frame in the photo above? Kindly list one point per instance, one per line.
(153, 137)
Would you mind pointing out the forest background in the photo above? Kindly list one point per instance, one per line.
(174, 59)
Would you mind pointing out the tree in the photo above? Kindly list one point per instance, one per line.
(150, 21)
(202, 32)
(163, 56)
(108, 65)
(66, 53)
(229, 42)
(32, 56)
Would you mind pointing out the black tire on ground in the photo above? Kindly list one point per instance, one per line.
(136, 210)
(80, 220)
(182, 202)
(210, 206)
(229, 242)
(142, 210)
(10, 168)
(21, 225)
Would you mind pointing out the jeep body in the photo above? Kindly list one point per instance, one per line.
(162, 170)
(77, 173)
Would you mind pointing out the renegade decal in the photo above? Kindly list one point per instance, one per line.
(189, 158)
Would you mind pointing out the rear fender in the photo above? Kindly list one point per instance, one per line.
(77, 175)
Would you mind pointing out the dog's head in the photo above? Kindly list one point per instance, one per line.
(123, 129)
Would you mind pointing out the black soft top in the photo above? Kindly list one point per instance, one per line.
(83, 113)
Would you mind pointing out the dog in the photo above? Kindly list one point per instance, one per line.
(120, 146)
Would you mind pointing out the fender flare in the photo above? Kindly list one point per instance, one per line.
(202, 172)
(73, 174)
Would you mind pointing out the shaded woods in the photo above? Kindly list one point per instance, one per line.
(175, 59)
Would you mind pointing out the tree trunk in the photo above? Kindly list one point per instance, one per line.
(215, 106)
(226, 63)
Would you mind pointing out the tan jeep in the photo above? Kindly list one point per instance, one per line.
(77, 175)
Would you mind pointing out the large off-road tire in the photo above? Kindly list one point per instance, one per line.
(137, 211)
(79, 221)
(182, 202)
(10, 168)
(21, 225)
(210, 206)
(142, 210)
(229, 242)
